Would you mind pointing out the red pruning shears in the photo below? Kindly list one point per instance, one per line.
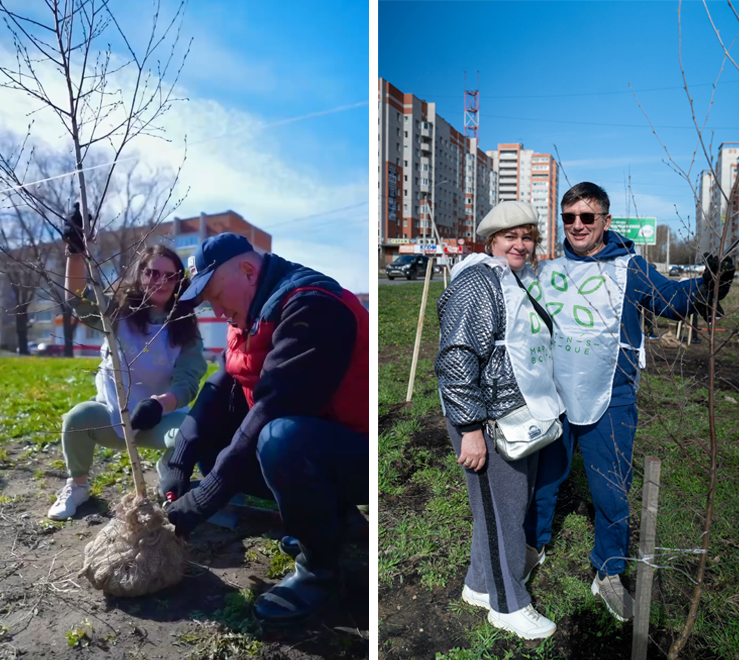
(170, 497)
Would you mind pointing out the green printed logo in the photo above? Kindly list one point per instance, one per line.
(535, 285)
(554, 308)
(535, 322)
(597, 283)
(576, 309)
(562, 286)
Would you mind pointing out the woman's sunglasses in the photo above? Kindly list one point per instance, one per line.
(585, 218)
(155, 275)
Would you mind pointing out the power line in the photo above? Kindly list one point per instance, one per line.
(557, 96)
(592, 123)
(315, 215)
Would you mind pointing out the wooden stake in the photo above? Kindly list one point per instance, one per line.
(419, 330)
(644, 573)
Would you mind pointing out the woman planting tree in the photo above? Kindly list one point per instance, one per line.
(161, 355)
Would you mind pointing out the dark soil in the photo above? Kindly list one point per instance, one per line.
(417, 623)
(42, 599)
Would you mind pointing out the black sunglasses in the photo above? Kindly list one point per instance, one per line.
(585, 218)
(154, 274)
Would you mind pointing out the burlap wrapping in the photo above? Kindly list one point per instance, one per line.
(669, 340)
(136, 553)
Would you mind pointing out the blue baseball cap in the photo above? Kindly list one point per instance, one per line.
(210, 254)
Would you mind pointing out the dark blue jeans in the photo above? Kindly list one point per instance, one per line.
(607, 449)
(317, 470)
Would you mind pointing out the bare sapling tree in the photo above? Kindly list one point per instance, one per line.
(708, 461)
(102, 102)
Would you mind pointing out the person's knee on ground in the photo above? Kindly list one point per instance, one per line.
(303, 490)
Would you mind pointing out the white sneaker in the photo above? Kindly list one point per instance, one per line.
(527, 623)
(618, 601)
(68, 499)
(475, 598)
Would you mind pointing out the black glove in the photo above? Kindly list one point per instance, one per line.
(725, 272)
(185, 514)
(73, 234)
(722, 273)
(172, 480)
(147, 415)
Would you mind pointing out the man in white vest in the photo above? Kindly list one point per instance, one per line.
(595, 294)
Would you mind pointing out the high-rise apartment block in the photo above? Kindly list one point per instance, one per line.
(429, 169)
(711, 209)
(527, 176)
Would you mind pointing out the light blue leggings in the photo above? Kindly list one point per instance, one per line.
(88, 424)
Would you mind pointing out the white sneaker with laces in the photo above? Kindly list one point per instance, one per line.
(68, 499)
(527, 623)
(475, 598)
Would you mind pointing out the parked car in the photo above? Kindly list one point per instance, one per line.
(676, 271)
(32, 348)
(50, 350)
(410, 266)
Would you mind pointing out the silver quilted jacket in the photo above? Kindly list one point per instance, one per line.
(476, 380)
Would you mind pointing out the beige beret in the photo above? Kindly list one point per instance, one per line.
(505, 216)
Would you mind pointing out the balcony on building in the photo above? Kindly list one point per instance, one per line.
(427, 130)
(426, 146)
(425, 188)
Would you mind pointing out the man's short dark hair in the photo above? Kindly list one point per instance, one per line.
(587, 191)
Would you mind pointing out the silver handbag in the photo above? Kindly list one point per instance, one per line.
(517, 434)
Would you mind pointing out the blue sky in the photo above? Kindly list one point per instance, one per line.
(559, 73)
(253, 64)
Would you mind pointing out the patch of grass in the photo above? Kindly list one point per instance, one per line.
(280, 564)
(211, 641)
(80, 636)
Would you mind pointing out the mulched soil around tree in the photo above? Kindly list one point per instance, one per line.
(44, 606)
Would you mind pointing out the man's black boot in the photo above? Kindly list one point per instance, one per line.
(300, 594)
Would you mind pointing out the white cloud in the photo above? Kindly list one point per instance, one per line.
(242, 171)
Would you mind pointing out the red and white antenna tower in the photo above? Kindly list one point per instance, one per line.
(472, 109)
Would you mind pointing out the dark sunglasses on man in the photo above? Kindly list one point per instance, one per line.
(585, 218)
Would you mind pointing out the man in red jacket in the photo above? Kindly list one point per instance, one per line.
(286, 416)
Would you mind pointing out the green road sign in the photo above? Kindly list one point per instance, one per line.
(643, 231)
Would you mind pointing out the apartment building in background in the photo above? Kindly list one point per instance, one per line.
(527, 176)
(711, 209)
(427, 168)
(181, 234)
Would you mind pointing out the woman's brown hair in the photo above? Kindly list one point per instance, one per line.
(532, 229)
(133, 306)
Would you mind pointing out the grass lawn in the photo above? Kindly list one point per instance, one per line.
(425, 523)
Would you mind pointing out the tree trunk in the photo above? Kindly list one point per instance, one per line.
(70, 325)
(21, 329)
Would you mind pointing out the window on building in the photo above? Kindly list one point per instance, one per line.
(397, 132)
(405, 163)
(405, 148)
(405, 133)
(405, 119)
(405, 177)
(397, 146)
(397, 116)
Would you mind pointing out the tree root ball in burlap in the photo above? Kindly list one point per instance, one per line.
(136, 553)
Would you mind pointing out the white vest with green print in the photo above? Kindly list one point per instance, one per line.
(585, 300)
(528, 343)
